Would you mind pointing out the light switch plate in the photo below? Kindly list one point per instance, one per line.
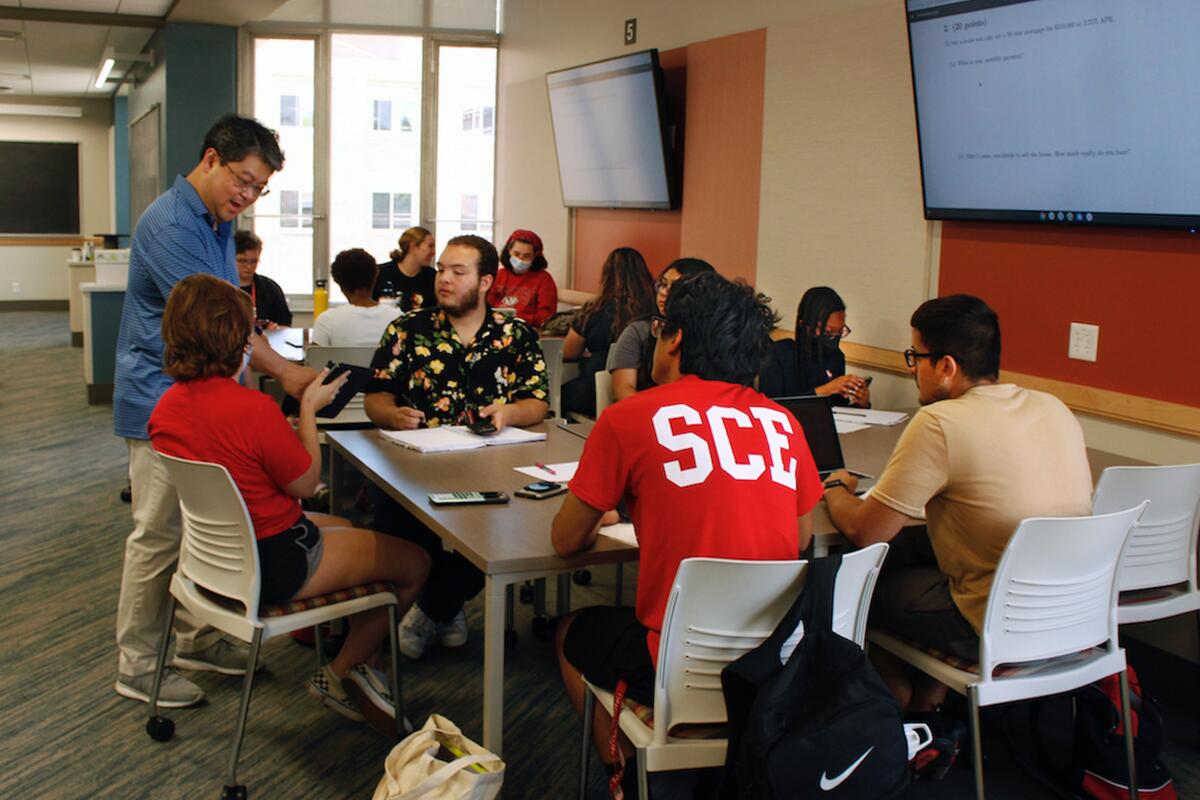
(1085, 340)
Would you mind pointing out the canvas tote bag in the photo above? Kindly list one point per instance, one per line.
(463, 771)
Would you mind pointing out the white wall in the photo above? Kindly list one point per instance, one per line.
(42, 271)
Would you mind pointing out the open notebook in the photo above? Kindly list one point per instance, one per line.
(448, 438)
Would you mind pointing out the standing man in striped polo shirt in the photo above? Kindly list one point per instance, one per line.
(188, 229)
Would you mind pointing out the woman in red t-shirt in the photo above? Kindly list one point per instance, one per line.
(523, 284)
(208, 416)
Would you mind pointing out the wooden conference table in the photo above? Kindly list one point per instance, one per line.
(511, 543)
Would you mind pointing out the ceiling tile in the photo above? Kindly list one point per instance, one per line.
(154, 8)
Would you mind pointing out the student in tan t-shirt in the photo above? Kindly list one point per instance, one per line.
(976, 459)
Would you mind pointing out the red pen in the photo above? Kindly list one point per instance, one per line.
(542, 466)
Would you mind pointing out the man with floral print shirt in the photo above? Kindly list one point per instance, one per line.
(438, 366)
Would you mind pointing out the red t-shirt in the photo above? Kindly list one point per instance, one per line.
(219, 420)
(707, 469)
(533, 294)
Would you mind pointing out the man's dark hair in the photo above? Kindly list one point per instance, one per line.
(962, 326)
(488, 259)
(726, 327)
(235, 138)
(354, 270)
(244, 240)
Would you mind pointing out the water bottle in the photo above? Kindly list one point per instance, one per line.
(320, 299)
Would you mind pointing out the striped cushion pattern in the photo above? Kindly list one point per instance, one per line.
(320, 601)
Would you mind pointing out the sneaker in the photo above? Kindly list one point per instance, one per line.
(416, 632)
(221, 656)
(176, 691)
(367, 687)
(328, 688)
(454, 632)
(934, 760)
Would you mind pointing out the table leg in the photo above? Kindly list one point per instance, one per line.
(493, 664)
(334, 482)
(563, 598)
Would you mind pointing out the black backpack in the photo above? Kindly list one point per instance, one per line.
(824, 724)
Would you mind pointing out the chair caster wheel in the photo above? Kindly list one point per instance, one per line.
(127, 494)
(525, 593)
(543, 628)
(234, 793)
(582, 577)
(160, 729)
(510, 637)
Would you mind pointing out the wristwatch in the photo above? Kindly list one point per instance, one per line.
(834, 483)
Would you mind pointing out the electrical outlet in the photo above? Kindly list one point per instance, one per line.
(16, 287)
(1085, 340)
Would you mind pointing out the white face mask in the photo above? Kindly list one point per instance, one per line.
(518, 266)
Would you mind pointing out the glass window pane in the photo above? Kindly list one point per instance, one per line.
(466, 144)
(283, 99)
(379, 210)
(371, 73)
(401, 211)
(383, 115)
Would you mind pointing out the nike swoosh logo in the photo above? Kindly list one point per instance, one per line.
(829, 784)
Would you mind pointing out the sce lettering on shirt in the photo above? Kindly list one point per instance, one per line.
(775, 426)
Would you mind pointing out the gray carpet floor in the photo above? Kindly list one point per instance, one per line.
(64, 732)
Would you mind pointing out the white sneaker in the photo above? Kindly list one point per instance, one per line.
(416, 632)
(454, 632)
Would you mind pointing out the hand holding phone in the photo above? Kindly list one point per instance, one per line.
(481, 426)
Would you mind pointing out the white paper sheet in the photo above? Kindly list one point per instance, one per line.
(846, 426)
(622, 532)
(870, 416)
(556, 473)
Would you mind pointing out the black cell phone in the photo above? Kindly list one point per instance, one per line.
(541, 489)
(467, 498)
(359, 377)
(480, 426)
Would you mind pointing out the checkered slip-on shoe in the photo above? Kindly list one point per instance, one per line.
(326, 687)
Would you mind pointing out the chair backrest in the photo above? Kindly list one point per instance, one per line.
(1055, 589)
(218, 551)
(1162, 548)
(604, 392)
(552, 354)
(720, 609)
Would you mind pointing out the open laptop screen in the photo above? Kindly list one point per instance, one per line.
(815, 415)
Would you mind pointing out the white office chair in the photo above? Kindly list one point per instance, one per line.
(552, 354)
(718, 611)
(1051, 621)
(217, 579)
(317, 356)
(1158, 574)
(604, 391)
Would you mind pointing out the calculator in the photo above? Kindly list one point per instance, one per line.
(467, 498)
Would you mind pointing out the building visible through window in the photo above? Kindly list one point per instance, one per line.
(289, 111)
(470, 212)
(402, 211)
(391, 210)
(289, 209)
(479, 119)
(382, 120)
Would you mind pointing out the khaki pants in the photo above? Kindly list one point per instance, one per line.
(150, 555)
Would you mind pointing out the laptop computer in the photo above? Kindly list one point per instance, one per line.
(815, 415)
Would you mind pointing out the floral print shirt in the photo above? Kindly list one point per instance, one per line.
(424, 365)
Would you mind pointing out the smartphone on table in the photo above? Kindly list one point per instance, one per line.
(541, 489)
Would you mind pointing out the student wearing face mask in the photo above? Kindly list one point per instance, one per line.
(813, 362)
(523, 284)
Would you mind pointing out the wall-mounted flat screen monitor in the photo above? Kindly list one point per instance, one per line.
(1059, 112)
(39, 188)
(610, 133)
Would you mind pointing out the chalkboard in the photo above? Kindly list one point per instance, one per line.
(39, 187)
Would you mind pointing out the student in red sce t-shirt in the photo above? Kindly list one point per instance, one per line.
(706, 465)
(208, 416)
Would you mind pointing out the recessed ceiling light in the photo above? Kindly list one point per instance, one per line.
(10, 36)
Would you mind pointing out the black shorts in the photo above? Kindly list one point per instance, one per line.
(287, 560)
(607, 644)
(912, 600)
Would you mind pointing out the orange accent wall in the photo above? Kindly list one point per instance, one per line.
(722, 169)
(715, 94)
(1141, 287)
